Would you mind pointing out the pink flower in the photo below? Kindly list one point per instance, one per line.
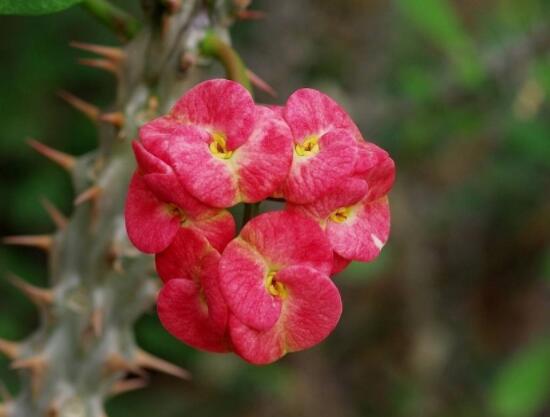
(325, 147)
(223, 147)
(190, 305)
(158, 206)
(355, 214)
(274, 277)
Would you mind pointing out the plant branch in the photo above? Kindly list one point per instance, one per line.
(118, 20)
(214, 47)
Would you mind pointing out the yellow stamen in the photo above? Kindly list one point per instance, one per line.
(309, 147)
(218, 146)
(340, 215)
(275, 288)
(175, 211)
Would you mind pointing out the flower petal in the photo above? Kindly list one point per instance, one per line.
(183, 313)
(376, 167)
(312, 176)
(150, 226)
(310, 112)
(187, 257)
(362, 236)
(264, 160)
(339, 264)
(147, 162)
(286, 239)
(159, 135)
(222, 105)
(209, 179)
(243, 276)
(311, 311)
(191, 258)
(217, 226)
(346, 193)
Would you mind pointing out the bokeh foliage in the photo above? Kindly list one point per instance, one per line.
(453, 318)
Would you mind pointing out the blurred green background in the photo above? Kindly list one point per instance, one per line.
(453, 318)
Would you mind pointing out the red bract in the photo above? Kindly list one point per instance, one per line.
(223, 147)
(190, 305)
(355, 214)
(157, 206)
(325, 149)
(268, 276)
(270, 291)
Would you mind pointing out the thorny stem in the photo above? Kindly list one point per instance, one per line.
(116, 19)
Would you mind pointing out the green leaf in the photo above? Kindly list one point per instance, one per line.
(522, 387)
(34, 7)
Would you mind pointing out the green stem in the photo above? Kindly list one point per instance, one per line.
(235, 69)
(122, 23)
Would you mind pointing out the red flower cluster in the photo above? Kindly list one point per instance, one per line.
(268, 290)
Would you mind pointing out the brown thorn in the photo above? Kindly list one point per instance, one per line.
(109, 52)
(116, 119)
(260, 84)
(127, 385)
(5, 393)
(96, 321)
(251, 15)
(55, 214)
(187, 60)
(60, 158)
(88, 109)
(5, 410)
(89, 194)
(10, 349)
(40, 296)
(44, 242)
(103, 64)
(36, 365)
(117, 363)
(146, 360)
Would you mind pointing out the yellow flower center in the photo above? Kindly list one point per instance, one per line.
(218, 146)
(309, 147)
(175, 211)
(274, 287)
(340, 215)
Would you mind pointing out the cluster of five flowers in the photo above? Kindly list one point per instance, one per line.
(267, 291)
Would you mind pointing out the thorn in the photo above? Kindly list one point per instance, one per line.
(116, 119)
(10, 349)
(187, 60)
(89, 110)
(53, 409)
(146, 360)
(36, 365)
(87, 195)
(260, 84)
(109, 52)
(40, 296)
(251, 15)
(60, 158)
(103, 64)
(5, 394)
(96, 321)
(57, 217)
(44, 242)
(5, 410)
(117, 363)
(172, 6)
(126, 385)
